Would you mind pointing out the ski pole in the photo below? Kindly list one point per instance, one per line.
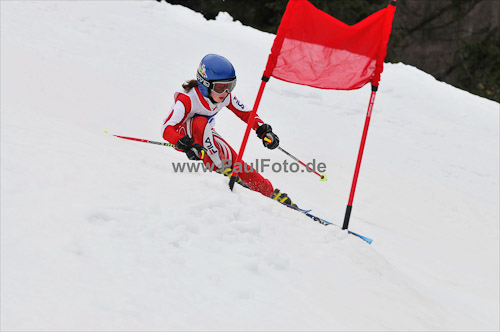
(152, 142)
(226, 172)
(322, 176)
(142, 140)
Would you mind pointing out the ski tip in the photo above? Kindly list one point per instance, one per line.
(367, 239)
(323, 178)
(364, 238)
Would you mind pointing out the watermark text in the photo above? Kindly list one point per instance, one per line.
(260, 166)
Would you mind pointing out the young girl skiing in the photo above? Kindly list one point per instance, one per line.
(190, 124)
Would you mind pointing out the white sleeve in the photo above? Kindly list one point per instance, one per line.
(176, 116)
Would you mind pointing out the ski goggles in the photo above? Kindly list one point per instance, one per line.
(219, 87)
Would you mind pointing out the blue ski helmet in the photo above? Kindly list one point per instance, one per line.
(213, 68)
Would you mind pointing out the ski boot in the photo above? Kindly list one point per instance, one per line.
(283, 198)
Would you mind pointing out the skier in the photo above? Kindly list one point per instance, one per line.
(190, 124)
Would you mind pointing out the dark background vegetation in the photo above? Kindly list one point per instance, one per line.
(456, 41)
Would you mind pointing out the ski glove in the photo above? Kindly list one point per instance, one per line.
(193, 151)
(269, 139)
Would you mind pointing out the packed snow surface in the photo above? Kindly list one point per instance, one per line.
(99, 233)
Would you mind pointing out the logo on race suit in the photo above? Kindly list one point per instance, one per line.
(202, 70)
(238, 102)
(210, 147)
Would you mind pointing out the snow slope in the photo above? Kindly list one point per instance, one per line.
(101, 234)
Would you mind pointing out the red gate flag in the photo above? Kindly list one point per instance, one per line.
(315, 49)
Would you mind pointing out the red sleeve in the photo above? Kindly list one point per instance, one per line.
(171, 135)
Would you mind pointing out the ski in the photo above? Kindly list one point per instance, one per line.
(312, 216)
(326, 222)
(299, 209)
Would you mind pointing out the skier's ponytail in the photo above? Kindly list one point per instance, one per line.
(188, 85)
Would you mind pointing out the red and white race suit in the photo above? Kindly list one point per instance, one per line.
(192, 114)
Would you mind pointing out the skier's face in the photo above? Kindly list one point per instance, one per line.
(218, 97)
